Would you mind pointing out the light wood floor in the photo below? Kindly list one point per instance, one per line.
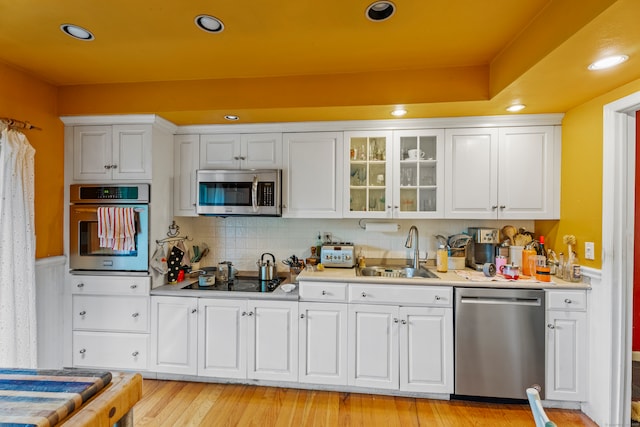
(175, 403)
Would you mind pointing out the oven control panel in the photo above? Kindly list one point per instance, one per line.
(338, 254)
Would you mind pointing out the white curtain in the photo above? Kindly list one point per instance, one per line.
(18, 332)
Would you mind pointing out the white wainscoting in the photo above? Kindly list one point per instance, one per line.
(49, 303)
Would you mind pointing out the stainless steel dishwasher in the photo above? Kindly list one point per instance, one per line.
(499, 342)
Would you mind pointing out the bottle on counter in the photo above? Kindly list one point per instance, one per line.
(541, 249)
(442, 259)
(319, 245)
(529, 261)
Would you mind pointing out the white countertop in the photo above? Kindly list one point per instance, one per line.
(458, 278)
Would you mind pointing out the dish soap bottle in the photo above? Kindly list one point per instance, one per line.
(442, 259)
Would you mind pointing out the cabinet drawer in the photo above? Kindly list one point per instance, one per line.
(567, 300)
(323, 291)
(110, 350)
(398, 294)
(110, 285)
(111, 313)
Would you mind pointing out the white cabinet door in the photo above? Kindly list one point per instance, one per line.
(174, 344)
(118, 152)
(426, 349)
(273, 340)
(471, 173)
(241, 151)
(312, 175)
(222, 331)
(220, 151)
(92, 153)
(186, 155)
(323, 343)
(131, 152)
(566, 355)
(368, 171)
(261, 151)
(418, 173)
(373, 346)
(528, 174)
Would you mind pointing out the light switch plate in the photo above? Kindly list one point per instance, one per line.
(589, 251)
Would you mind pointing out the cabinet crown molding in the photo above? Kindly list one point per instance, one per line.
(122, 119)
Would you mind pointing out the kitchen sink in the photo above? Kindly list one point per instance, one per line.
(396, 271)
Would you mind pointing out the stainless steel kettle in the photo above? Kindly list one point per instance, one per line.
(266, 269)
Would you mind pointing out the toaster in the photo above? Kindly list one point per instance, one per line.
(338, 254)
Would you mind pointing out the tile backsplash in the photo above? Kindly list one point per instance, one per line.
(242, 240)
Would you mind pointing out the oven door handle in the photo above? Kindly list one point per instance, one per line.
(254, 193)
(95, 210)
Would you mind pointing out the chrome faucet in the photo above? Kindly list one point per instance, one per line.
(416, 254)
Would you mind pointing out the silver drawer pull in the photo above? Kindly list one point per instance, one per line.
(134, 315)
(80, 285)
(135, 354)
(133, 286)
(438, 298)
(82, 313)
(324, 292)
(251, 313)
(395, 320)
(364, 294)
(244, 313)
(194, 310)
(404, 322)
(83, 351)
(567, 301)
(302, 316)
(551, 326)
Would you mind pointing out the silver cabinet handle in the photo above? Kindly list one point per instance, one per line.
(134, 286)
(324, 292)
(302, 316)
(568, 301)
(135, 354)
(551, 326)
(83, 312)
(404, 322)
(134, 315)
(502, 207)
(251, 313)
(494, 207)
(114, 166)
(244, 313)
(83, 351)
(364, 294)
(80, 285)
(395, 320)
(193, 310)
(236, 158)
(243, 158)
(107, 166)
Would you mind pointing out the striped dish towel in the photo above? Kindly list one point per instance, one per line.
(117, 228)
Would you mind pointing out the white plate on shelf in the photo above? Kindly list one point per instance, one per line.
(288, 287)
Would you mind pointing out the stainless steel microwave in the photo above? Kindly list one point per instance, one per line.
(255, 192)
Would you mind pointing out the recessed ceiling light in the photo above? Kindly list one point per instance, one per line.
(380, 10)
(231, 117)
(398, 112)
(608, 62)
(209, 23)
(516, 107)
(76, 32)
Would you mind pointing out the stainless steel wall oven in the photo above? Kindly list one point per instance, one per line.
(109, 227)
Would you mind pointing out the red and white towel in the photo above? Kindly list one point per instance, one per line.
(117, 228)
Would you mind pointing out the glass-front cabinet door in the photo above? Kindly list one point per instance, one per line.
(368, 172)
(418, 173)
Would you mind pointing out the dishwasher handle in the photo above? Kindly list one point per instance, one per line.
(502, 300)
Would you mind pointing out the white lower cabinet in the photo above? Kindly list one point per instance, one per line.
(174, 328)
(225, 338)
(323, 343)
(566, 345)
(110, 322)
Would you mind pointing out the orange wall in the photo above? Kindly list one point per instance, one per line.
(29, 99)
(581, 193)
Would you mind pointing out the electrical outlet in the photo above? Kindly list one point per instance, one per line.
(589, 250)
(327, 236)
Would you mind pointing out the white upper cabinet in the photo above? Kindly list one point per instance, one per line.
(396, 174)
(502, 173)
(241, 151)
(186, 157)
(312, 175)
(118, 152)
